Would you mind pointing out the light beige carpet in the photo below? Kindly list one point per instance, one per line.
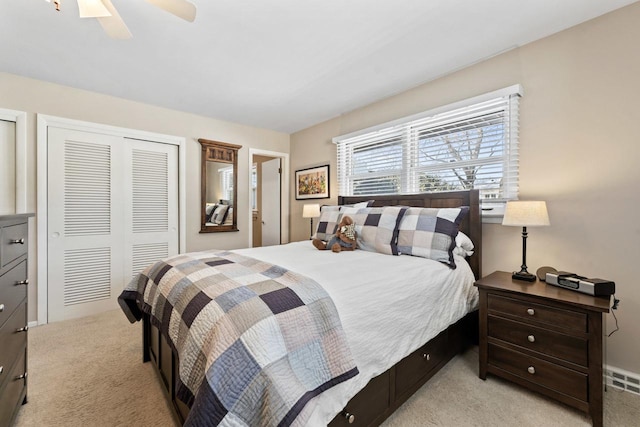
(89, 372)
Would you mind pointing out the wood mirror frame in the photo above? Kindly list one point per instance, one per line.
(217, 155)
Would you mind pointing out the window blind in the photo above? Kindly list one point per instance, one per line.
(473, 146)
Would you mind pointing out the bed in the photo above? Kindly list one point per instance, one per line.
(391, 365)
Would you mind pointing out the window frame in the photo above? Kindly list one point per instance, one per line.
(408, 130)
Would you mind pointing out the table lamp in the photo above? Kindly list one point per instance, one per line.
(311, 211)
(525, 214)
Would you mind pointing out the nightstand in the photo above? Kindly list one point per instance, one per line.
(545, 338)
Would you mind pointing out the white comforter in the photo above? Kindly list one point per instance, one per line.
(389, 306)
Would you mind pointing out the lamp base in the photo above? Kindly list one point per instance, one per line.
(523, 275)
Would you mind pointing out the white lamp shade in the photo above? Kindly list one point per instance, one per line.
(526, 214)
(311, 211)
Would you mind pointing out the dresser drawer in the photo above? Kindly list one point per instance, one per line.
(549, 375)
(538, 313)
(12, 393)
(415, 366)
(11, 295)
(10, 246)
(12, 340)
(565, 347)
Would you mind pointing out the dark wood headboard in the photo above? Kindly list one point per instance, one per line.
(471, 225)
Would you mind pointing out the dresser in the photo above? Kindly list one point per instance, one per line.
(13, 315)
(545, 338)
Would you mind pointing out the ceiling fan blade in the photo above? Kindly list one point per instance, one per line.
(113, 25)
(181, 8)
(92, 9)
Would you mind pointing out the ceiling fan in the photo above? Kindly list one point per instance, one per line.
(113, 24)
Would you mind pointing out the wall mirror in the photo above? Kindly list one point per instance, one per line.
(219, 181)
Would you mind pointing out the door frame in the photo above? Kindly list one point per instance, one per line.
(42, 144)
(284, 193)
(20, 119)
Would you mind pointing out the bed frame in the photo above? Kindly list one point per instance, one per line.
(389, 390)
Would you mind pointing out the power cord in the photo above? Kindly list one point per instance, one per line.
(614, 306)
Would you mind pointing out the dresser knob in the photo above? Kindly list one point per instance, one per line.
(22, 377)
(349, 417)
(16, 242)
(22, 282)
(531, 370)
(1, 369)
(531, 338)
(531, 311)
(426, 356)
(23, 329)
(1, 308)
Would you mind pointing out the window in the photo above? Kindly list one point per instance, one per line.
(472, 144)
(226, 180)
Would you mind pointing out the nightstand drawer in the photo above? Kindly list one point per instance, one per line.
(538, 371)
(565, 347)
(538, 313)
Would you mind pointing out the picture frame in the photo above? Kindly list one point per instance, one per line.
(312, 183)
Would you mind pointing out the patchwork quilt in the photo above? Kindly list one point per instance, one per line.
(256, 342)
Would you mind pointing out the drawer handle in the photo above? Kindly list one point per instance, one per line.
(24, 329)
(22, 377)
(22, 282)
(1, 308)
(349, 417)
(426, 356)
(531, 338)
(531, 311)
(16, 242)
(531, 370)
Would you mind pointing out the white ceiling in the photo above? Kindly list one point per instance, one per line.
(276, 64)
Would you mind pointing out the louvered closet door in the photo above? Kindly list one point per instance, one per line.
(112, 210)
(85, 223)
(151, 202)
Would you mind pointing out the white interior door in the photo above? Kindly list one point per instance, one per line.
(112, 209)
(7, 167)
(270, 209)
(151, 204)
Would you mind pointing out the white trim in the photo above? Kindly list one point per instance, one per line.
(284, 189)
(32, 324)
(20, 119)
(46, 121)
(511, 90)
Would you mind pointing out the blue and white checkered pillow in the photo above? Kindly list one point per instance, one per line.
(430, 233)
(377, 228)
(328, 222)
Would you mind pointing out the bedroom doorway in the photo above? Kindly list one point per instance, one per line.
(112, 208)
(268, 198)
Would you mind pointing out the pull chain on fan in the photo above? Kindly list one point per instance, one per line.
(112, 23)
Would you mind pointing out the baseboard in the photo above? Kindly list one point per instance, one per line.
(622, 380)
(32, 324)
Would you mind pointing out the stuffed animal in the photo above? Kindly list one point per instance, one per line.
(343, 240)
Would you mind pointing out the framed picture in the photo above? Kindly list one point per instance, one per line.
(312, 183)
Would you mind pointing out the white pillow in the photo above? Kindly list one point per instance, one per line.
(464, 245)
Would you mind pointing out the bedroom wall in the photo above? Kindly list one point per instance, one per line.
(34, 96)
(578, 148)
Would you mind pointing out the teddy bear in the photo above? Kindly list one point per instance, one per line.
(343, 240)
